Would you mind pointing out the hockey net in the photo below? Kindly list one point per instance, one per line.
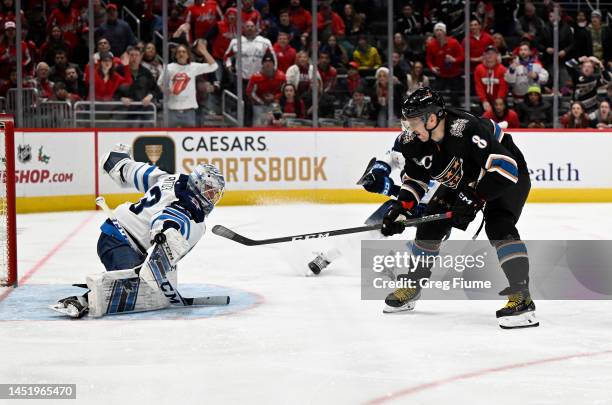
(8, 230)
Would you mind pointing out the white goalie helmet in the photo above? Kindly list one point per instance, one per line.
(208, 184)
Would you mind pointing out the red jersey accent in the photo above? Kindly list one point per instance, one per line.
(203, 17)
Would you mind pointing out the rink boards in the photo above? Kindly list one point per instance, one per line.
(57, 170)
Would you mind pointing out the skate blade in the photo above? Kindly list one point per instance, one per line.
(524, 320)
(409, 306)
(70, 311)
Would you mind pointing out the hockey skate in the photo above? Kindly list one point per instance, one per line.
(519, 311)
(402, 299)
(74, 307)
(319, 263)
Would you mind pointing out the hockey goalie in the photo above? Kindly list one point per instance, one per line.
(140, 244)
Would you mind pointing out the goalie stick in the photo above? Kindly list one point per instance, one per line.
(224, 232)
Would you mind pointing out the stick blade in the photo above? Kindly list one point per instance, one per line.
(224, 232)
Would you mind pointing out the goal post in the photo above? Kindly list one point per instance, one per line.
(8, 226)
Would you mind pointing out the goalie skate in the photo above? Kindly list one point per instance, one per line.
(74, 307)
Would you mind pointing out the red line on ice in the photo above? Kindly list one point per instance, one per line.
(49, 255)
(478, 373)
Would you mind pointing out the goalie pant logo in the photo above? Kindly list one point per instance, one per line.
(311, 236)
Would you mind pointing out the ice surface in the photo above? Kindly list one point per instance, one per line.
(307, 340)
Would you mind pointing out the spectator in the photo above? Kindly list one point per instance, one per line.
(479, 41)
(452, 13)
(181, 84)
(382, 96)
(358, 107)
(250, 14)
(221, 35)
(485, 13)
(353, 78)
(74, 84)
(524, 72)
(444, 56)
(58, 71)
(545, 41)
(582, 44)
(8, 50)
(576, 117)
(254, 47)
(300, 17)
(290, 105)
(264, 87)
(106, 79)
(500, 43)
(400, 68)
(501, 113)
(152, 61)
(103, 46)
(141, 85)
(117, 31)
(529, 26)
(602, 118)
(329, 22)
(10, 83)
(202, 16)
(337, 53)
(150, 23)
(55, 42)
(353, 21)
(589, 74)
(489, 80)
(67, 17)
(269, 23)
(284, 52)
(301, 76)
(37, 25)
(41, 81)
(401, 46)
(416, 79)
(601, 38)
(366, 55)
(327, 72)
(504, 12)
(534, 112)
(285, 25)
(60, 93)
(176, 18)
(409, 23)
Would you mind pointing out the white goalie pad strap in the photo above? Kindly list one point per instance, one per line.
(122, 291)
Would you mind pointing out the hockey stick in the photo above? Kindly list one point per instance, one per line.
(224, 232)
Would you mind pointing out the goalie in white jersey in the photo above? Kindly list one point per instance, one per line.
(174, 205)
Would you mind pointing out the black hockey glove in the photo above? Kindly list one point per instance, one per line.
(466, 206)
(378, 180)
(390, 226)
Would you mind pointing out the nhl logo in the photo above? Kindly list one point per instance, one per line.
(24, 153)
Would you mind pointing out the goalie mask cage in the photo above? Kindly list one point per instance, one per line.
(8, 228)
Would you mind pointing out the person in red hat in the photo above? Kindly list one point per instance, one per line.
(489, 80)
(8, 50)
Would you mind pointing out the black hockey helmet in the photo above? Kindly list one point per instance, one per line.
(422, 102)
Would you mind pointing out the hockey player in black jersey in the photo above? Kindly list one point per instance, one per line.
(478, 167)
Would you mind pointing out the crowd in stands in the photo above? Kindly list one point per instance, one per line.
(511, 57)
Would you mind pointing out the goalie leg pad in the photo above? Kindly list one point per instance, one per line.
(122, 291)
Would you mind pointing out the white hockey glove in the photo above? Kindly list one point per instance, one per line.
(114, 160)
(174, 244)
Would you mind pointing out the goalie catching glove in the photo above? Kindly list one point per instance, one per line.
(113, 162)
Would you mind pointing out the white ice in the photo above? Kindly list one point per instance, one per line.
(312, 340)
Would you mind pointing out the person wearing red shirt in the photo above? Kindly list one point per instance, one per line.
(327, 71)
(444, 57)
(264, 88)
(501, 113)
(479, 40)
(300, 17)
(221, 35)
(8, 50)
(41, 82)
(285, 53)
(489, 80)
(250, 14)
(67, 16)
(329, 22)
(290, 105)
(202, 16)
(107, 81)
(353, 78)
